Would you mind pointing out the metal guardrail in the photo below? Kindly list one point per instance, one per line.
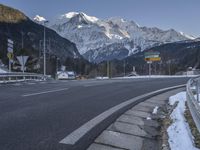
(193, 100)
(18, 76)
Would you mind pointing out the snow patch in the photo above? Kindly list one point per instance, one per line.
(39, 18)
(90, 18)
(70, 15)
(155, 110)
(180, 137)
(79, 26)
(2, 71)
(187, 36)
(148, 118)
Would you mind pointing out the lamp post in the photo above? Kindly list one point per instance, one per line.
(44, 44)
(22, 50)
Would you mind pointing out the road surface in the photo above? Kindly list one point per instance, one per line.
(37, 116)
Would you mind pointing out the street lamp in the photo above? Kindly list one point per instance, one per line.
(44, 44)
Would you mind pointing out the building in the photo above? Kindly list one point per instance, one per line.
(66, 75)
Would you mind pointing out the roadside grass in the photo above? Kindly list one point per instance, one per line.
(193, 127)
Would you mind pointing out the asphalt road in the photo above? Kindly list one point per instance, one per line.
(36, 116)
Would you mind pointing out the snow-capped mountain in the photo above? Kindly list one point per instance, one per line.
(99, 40)
(38, 18)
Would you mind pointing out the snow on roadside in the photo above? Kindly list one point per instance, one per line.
(2, 71)
(155, 110)
(148, 118)
(180, 137)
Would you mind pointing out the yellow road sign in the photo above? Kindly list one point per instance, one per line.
(10, 55)
(153, 59)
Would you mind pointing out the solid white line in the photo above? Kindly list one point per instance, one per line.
(45, 92)
(76, 135)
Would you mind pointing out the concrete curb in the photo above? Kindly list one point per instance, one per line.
(103, 120)
(136, 129)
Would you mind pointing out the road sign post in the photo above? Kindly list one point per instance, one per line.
(151, 57)
(149, 62)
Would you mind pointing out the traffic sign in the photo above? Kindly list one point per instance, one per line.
(151, 53)
(10, 46)
(153, 59)
(151, 56)
(22, 60)
(10, 55)
(149, 62)
(10, 41)
(10, 50)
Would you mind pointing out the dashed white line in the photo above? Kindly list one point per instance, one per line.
(44, 92)
(31, 83)
(42, 82)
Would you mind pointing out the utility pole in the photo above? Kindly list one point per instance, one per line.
(169, 66)
(124, 67)
(108, 69)
(57, 66)
(160, 71)
(149, 62)
(22, 39)
(22, 50)
(149, 69)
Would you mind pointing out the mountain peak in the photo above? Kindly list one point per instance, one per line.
(38, 18)
(95, 37)
(80, 16)
(11, 15)
(69, 15)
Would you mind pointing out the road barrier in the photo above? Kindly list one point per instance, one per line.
(193, 100)
(18, 76)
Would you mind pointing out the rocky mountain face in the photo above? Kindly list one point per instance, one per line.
(115, 38)
(15, 25)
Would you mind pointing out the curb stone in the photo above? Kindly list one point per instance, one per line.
(137, 128)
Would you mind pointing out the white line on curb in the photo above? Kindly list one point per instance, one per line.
(45, 92)
(76, 135)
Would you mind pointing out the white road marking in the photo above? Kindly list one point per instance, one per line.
(31, 83)
(89, 85)
(42, 82)
(76, 135)
(17, 84)
(97, 84)
(45, 92)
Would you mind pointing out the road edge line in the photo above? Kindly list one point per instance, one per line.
(77, 134)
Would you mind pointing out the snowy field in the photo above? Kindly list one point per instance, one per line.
(180, 137)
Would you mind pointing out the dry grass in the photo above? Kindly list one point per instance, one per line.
(193, 127)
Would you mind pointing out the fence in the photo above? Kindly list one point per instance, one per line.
(193, 100)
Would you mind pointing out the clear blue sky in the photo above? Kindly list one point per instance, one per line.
(182, 15)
